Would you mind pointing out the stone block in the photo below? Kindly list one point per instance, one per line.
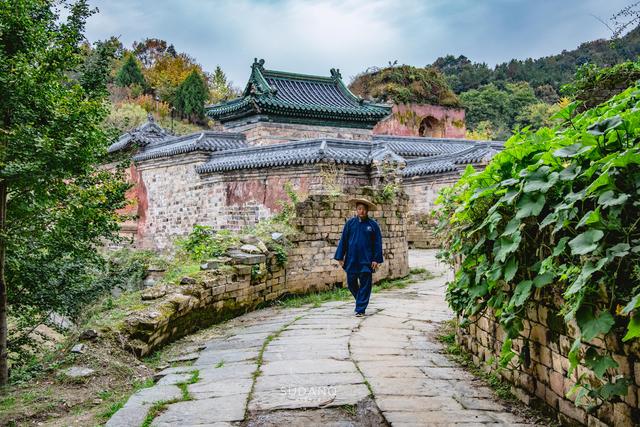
(622, 415)
(572, 411)
(556, 381)
(551, 398)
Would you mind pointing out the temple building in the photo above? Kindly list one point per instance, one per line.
(308, 131)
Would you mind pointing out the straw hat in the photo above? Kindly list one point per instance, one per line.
(370, 205)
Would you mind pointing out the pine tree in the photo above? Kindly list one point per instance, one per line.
(130, 73)
(191, 97)
(219, 87)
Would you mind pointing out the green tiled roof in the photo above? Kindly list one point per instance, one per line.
(282, 96)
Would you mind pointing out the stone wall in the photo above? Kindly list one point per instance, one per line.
(423, 120)
(244, 280)
(423, 192)
(320, 220)
(221, 292)
(265, 133)
(542, 377)
(176, 197)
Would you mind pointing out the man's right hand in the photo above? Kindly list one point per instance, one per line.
(341, 262)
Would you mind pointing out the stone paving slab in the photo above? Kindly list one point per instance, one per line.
(205, 411)
(236, 371)
(220, 388)
(281, 382)
(308, 397)
(135, 411)
(307, 367)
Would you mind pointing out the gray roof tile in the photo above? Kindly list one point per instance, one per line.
(297, 153)
(147, 133)
(198, 141)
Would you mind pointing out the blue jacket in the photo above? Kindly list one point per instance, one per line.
(360, 245)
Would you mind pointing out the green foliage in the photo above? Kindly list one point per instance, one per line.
(405, 84)
(593, 84)
(130, 73)
(61, 207)
(500, 107)
(191, 97)
(555, 212)
(288, 211)
(220, 88)
(203, 242)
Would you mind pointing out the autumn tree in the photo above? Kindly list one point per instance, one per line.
(168, 72)
(149, 51)
(56, 206)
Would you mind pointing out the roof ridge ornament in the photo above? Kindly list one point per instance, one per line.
(335, 74)
(150, 118)
(258, 64)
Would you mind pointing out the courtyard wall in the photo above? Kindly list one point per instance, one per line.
(266, 133)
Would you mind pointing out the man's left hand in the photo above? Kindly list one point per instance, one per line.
(374, 266)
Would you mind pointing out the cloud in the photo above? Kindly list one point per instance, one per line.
(313, 36)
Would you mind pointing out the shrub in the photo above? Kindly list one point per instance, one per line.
(556, 213)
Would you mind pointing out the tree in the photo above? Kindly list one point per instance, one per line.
(92, 76)
(56, 207)
(498, 106)
(191, 97)
(220, 88)
(130, 73)
(168, 72)
(150, 50)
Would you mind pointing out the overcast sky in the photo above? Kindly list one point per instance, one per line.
(313, 36)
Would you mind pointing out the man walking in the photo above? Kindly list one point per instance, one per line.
(360, 252)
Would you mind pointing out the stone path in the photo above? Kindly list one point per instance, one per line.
(281, 365)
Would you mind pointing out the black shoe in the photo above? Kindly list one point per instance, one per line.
(359, 314)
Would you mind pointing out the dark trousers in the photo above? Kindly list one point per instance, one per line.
(362, 291)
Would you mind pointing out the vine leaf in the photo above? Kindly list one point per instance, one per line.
(510, 269)
(560, 246)
(540, 180)
(512, 227)
(598, 363)
(591, 326)
(589, 218)
(586, 272)
(543, 279)
(633, 304)
(522, 293)
(507, 245)
(603, 126)
(570, 172)
(585, 242)
(572, 150)
(608, 198)
(619, 388)
(633, 328)
(530, 204)
(619, 250)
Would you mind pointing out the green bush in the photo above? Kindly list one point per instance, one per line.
(556, 213)
(405, 84)
(204, 242)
